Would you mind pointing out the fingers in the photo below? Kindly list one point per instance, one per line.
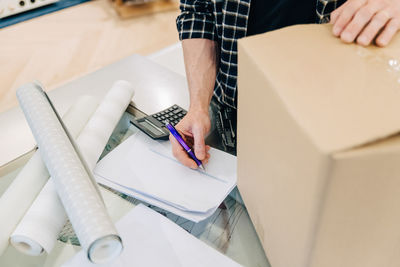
(357, 24)
(181, 155)
(193, 128)
(346, 13)
(366, 21)
(390, 30)
(199, 144)
(335, 14)
(205, 161)
(372, 29)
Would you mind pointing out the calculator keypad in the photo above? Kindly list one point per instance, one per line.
(173, 114)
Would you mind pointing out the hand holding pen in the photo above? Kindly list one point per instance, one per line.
(182, 144)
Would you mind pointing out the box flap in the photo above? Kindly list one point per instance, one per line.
(342, 95)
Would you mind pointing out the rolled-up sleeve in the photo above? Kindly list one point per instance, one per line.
(196, 20)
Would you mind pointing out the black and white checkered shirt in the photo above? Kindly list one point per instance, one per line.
(225, 21)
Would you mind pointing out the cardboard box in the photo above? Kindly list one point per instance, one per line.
(319, 147)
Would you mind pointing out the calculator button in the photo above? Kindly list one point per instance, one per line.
(176, 111)
(176, 122)
(175, 117)
(162, 117)
(166, 116)
(184, 112)
(175, 106)
(170, 109)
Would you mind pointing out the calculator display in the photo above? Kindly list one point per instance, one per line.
(150, 127)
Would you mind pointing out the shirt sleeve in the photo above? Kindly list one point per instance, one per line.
(196, 20)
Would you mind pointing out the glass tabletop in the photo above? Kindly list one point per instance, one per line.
(229, 229)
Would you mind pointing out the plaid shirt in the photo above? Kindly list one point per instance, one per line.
(225, 21)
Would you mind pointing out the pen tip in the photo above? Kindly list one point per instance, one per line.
(202, 167)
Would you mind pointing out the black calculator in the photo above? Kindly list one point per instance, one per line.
(154, 125)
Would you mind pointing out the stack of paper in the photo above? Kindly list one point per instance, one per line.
(150, 239)
(146, 170)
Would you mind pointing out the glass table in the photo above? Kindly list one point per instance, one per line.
(229, 229)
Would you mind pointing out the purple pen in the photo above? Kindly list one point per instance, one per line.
(179, 138)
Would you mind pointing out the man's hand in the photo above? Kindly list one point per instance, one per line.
(193, 128)
(366, 21)
(200, 57)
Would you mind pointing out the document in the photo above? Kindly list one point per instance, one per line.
(191, 216)
(150, 240)
(147, 169)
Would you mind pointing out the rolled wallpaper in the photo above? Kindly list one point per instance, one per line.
(38, 232)
(69, 170)
(21, 193)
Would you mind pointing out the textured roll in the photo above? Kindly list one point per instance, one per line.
(43, 222)
(74, 184)
(23, 190)
(38, 230)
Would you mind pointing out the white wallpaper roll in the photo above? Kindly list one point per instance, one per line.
(32, 234)
(74, 184)
(38, 231)
(98, 130)
(18, 197)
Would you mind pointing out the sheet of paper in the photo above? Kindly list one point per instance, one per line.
(192, 216)
(148, 167)
(150, 240)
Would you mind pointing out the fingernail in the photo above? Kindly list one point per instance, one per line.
(362, 40)
(346, 36)
(336, 30)
(382, 42)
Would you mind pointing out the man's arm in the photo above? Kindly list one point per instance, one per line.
(196, 28)
(201, 65)
(366, 21)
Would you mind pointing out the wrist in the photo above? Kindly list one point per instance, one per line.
(199, 114)
(199, 107)
(200, 104)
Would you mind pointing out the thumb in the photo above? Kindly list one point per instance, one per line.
(199, 145)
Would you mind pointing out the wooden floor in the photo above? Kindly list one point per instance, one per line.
(67, 44)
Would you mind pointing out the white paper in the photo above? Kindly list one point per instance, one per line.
(26, 186)
(152, 240)
(72, 179)
(148, 168)
(45, 219)
(192, 216)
